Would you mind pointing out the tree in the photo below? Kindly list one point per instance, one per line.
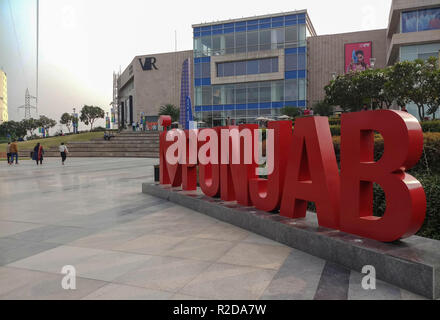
(14, 129)
(419, 86)
(30, 125)
(170, 110)
(46, 123)
(323, 109)
(66, 119)
(433, 92)
(292, 112)
(90, 113)
(344, 92)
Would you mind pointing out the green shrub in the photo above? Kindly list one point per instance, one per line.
(431, 126)
(431, 184)
(335, 130)
(334, 121)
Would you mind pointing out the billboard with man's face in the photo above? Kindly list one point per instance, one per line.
(357, 56)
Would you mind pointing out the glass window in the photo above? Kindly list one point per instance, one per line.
(302, 89)
(229, 69)
(277, 38)
(265, 43)
(252, 93)
(302, 61)
(252, 67)
(274, 64)
(265, 92)
(252, 41)
(216, 44)
(198, 96)
(219, 70)
(197, 70)
(207, 96)
(278, 91)
(240, 68)
(420, 20)
(206, 45)
(229, 94)
(265, 66)
(206, 70)
(409, 21)
(291, 35)
(429, 19)
(216, 95)
(240, 42)
(291, 62)
(291, 90)
(207, 117)
(240, 94)
(198, 46)
(229, 43)
(302, 35)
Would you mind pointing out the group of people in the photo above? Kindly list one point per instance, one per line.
(37, 154)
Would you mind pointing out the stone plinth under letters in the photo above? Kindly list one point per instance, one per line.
(412, 264)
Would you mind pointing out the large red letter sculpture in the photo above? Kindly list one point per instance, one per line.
(405, 198)
(312, 173)
(209, 173)
(169, 174)
(235, 177)
(266, 193)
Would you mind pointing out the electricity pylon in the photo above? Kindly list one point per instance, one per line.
(27, 105)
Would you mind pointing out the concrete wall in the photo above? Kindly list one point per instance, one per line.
(326, 55)
(155, 88)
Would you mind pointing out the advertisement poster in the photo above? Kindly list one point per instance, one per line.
(357, 56)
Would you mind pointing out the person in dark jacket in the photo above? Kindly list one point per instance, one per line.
(38, 153)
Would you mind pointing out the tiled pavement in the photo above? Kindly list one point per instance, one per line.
(92, 215)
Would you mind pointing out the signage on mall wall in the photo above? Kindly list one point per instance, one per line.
(148, 63)
(358, 56)
(302, 168)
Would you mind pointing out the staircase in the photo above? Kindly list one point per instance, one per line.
(122, 145)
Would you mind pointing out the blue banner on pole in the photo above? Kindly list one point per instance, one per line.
(188, 110)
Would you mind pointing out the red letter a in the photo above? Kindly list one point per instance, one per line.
(312, 173)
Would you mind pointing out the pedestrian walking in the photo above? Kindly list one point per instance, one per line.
(63, 151)
(38, 154)
(14, 152)
(8, 153)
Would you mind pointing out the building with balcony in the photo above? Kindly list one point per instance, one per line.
(253, 67)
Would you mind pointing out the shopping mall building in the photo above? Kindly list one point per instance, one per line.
(246, 68)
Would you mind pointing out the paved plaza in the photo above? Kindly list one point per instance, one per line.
(91, 214)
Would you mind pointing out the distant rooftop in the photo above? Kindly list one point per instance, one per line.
(281, 14)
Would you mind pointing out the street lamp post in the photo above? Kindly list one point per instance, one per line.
(372, 64)
(75, 124)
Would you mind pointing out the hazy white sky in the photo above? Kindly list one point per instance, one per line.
(83, 41)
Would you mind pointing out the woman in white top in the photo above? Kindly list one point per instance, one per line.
(64, 151)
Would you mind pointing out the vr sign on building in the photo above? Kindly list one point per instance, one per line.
(302, 167)
(148, 64)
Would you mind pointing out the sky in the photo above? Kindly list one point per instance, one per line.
(83, 41)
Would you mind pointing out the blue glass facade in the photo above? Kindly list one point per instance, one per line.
(244, 101)
(420, 20)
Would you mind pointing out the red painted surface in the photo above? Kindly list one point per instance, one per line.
(305, 170)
